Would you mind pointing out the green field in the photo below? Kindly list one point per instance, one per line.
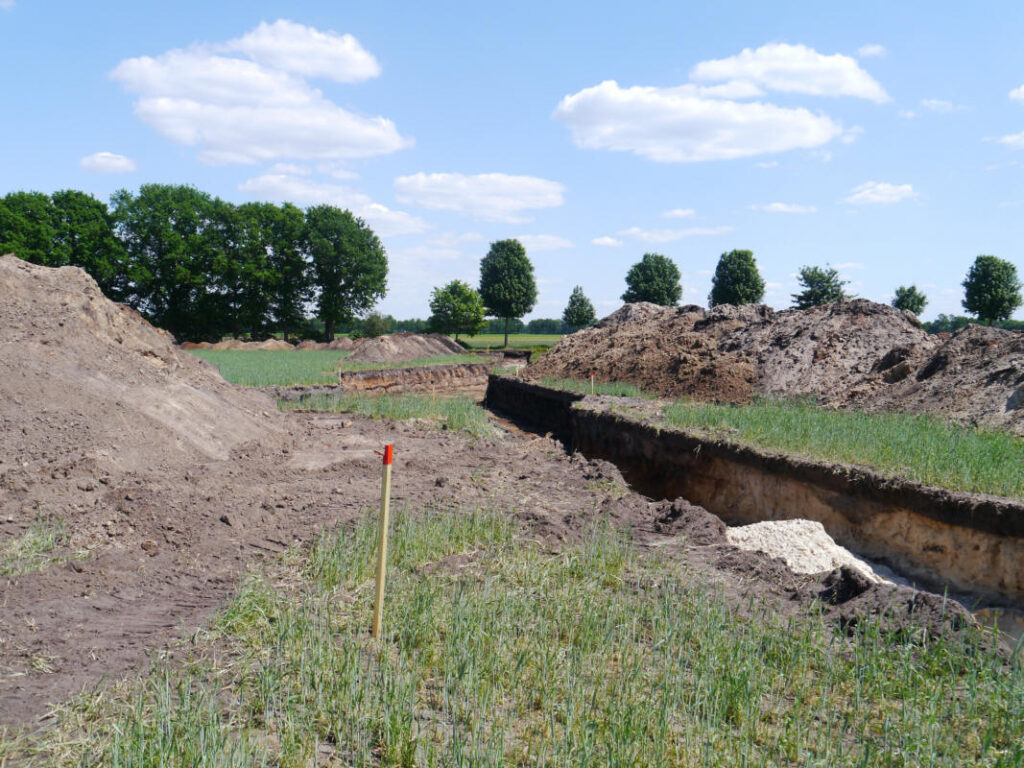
(499, 652)
(515, 340)
(919, 448)
(275, 368)
(417, 363)
(456, 413)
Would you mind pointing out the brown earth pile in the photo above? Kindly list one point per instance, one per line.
(269, 344)
(851, 353)
(89, 382)
(402, 347)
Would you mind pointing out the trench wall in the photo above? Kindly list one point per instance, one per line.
(966, 542)
(423, 378)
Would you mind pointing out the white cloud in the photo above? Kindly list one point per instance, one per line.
(1015, 140)
(107, 162)
(940, 105)
(770, 164)
(337, 171)
(290, 47)
(487, 196)
(291, 168)
(907, 114)
(794, 69)
(879, 192)
(785, 208)
(306, 191)
(1017, 93)
(235, 110)
(6, 5)
(871, 49)
(668, 235)
(606, 242)
(850, 135)
(679, 213)
(679, 125)
(544, 242)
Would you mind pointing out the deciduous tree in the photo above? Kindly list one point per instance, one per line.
(909, 298)
(579, 312)
(737, 280)
(655, 278)
(456, 308)
(821, 286)
(991, 289)
(507, 286)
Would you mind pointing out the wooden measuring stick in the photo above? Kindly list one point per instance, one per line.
(591, 382)
(382, 553)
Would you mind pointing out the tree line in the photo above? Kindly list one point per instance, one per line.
(203, 268)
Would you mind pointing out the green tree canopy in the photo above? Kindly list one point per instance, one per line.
(820, 286)
(655, 278)
(83, 232)
(507, 286)
(737, 280)
(991, 289)
(27, 228)
(456, 308)
(909, 298)
(579, 312)
(350, 266)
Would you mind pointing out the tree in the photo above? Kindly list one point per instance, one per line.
(350, 266)
(991, 289)
(507, 286)
(655, 278)
(821, 286)
(83, 236)
(910, 298)
(456, 308)
(736, 280)
(579, 312)
(26, 227)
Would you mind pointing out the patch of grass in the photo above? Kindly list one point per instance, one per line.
(515, 340)
(34, 549)
(617, 388)
(275, 368)
(507, 654)
(417, 363)
(919, 448)
(458, 413)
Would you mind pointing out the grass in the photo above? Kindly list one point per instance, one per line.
(617, 388)
(508, 654)
(919, 448)
(418, 362)
(34, 550)
(275, 368)
(458, 413)
(515, 340)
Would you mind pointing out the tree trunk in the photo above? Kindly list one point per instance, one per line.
(329, 329)
(507, 320)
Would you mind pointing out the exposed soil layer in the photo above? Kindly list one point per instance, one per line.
(849, 354)
(422, 378)
(402, 347)
(171, 481)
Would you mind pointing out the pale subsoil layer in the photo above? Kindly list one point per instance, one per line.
(849, 354)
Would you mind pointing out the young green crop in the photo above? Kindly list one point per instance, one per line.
(275, 368)
(497, 651)
(617, 388)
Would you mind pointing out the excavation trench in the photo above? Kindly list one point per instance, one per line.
(968, 544)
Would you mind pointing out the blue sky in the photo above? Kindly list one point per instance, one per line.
(885, 139)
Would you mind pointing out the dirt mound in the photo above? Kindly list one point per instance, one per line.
(402, 347)
(848, 354)
(271, 344)
(89, 382)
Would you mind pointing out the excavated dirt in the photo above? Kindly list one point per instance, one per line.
(171, 482)
(847, 354)
(402, 347)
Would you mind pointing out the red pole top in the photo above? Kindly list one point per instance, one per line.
(388, 453)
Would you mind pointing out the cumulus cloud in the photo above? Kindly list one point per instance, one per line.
(303, 190)
(248, 110)
(679, 213)
(606, 242)
(1015, 140)
(794, 69)
(785, 208)
(545, 242)
(487, 196)
(1017, 94)
(306, 51)
(907, 114)
(669, 235)
(679, 125)
(941, 105)
(107, 162)
(870, 50)
(879, 192)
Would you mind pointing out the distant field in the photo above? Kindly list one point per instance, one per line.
(274, 368)
(515, 340)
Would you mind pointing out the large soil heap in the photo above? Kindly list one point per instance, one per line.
(88, 381)
(850, 353)
(403, 347)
